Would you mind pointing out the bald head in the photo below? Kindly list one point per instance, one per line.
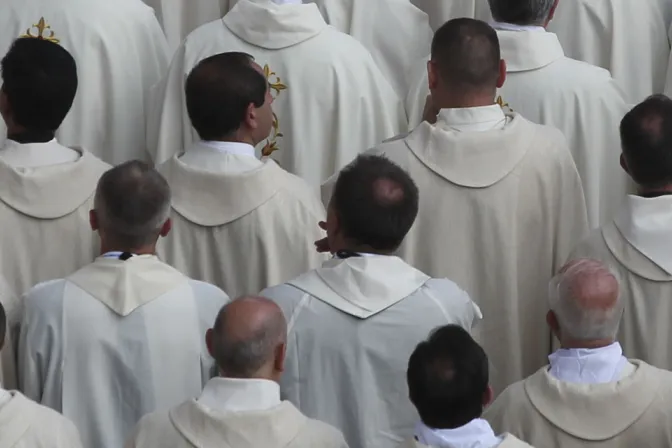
(586, 301)
(246, 337)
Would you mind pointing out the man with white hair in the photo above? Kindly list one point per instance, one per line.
(241, 407)
(590, 394)
(122, 336)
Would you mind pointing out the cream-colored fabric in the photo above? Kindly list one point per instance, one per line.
(499, 213)
(192, 426)
(115, 341)
(222, 395)
(241, 232)
(26, 424)
(546, 412)
(324, 82)
(36, 155)
(508, 442)
(627, 38)
(120, 53)
(633, 245)
(208, 156)
(440, 12)
(353, 324)
(12, 306)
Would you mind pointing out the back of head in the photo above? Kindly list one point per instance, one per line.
(522, 12)
(448, 378)
(376, 202)
(586, 301)
(219, 91)
(467, 56)
(132, 204)
(646, 141)
(39, 84)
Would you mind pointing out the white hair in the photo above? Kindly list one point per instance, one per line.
(586, 301)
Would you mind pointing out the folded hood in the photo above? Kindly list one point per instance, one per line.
(529, 50)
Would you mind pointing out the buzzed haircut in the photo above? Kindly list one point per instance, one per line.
(448, 378)
(40, 80)
(466, 54)
(646, 142)
(376, 202)
(521, 12)
(219, 91)
(132, 203)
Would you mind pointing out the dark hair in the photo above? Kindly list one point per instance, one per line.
(376, 202)
(646, 141)
(40, 81)
(219, 90)
(448, 378)
(466, 54)
(521, 12)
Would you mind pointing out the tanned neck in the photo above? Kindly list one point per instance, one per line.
(145, 250)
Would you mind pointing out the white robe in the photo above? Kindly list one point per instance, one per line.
(627, 38)
(115, 341)
(120, 53)
(508, 442)
(242, 232)
(632, 412)
(500, 211)
(324, 82)
(637, 245)
(352, 326)
(441, 11)
(26, 424)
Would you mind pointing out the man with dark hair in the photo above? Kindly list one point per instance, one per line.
(356, 319)
(637, 243)
(238, 222)
(241, 407)
(127, 314)
(448, 384)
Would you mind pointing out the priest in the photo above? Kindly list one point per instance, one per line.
(325, 87)
(637, 242)
(122, 336)
(241, 407)
(239, 223)
(590, 394)
(121, 52)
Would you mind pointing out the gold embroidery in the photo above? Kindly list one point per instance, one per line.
(41, 26)
(502, 104)
(274, 83)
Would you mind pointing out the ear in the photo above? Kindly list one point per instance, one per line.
(5, 110)
(93, 220)
(251, 117)
(279, 361)
(552, 13)
(624, 164)
(432, 76)
(209, 336)
(502, 74)
(166, 227)
(488, 397)
(552, 321)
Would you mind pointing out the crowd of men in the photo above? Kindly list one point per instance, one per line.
(306, 232)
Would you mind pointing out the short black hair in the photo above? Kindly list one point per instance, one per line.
(521, 12)
(448, 378)
(466, 53)
(40, 82)
(646, 142)
(219, 90)
(376, 202)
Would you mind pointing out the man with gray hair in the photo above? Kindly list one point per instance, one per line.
(121, 337)
(590, 394)
(241, 408)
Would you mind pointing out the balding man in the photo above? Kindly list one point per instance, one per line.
(590, 394)
(356, 319)
(241, 408)
(121, 337)
(637, 243)
(501, 204)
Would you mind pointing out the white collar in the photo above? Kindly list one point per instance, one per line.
(38, 154)
(237, 148)
(475, 434)
(474, 119)
(588, 366)
(288, 2)
(239, 395)
(513, 27)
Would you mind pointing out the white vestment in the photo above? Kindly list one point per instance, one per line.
(26, 424)
(353, 324)
(238, 414)
(441, 11)
(509, 441)
(637, 246)
(627, 38)
(631, 412)
(548, 88)
(11, 305)
(120, 53)
(115, 341)
(242, 232)
(324, 82)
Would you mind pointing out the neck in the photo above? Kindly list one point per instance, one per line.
(143, 250)
(236, 139)
(24, 136)
(654, 192)
(361, 249)
(576, 344)
(460, 101)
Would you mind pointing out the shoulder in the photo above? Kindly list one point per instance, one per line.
(152, 422)
(204, 290)
(47, 419)
(448, 289)
(591, 246)
(543, 137)
(204, 32)
(591, 81)
(43, 294)
(301, 194)
(513, 398)
(284, 293)
(323, 435)
(337, 43)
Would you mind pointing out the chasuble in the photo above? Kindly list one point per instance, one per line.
(120, 52)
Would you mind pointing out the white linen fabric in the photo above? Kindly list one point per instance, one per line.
(508, 441)
(239, 395)
(440, 12)
(475, 434)
(221, 157)
(36, 155)
(588, 366)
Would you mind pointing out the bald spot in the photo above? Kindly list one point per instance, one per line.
(246, 317)
(386, 191)
(592, 286)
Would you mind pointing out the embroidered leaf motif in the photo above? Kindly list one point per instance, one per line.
(41, 26)
(503, 104)
(275, 84)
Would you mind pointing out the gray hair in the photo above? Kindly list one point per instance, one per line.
(132, 203)
(586, 301)
(521, 12)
